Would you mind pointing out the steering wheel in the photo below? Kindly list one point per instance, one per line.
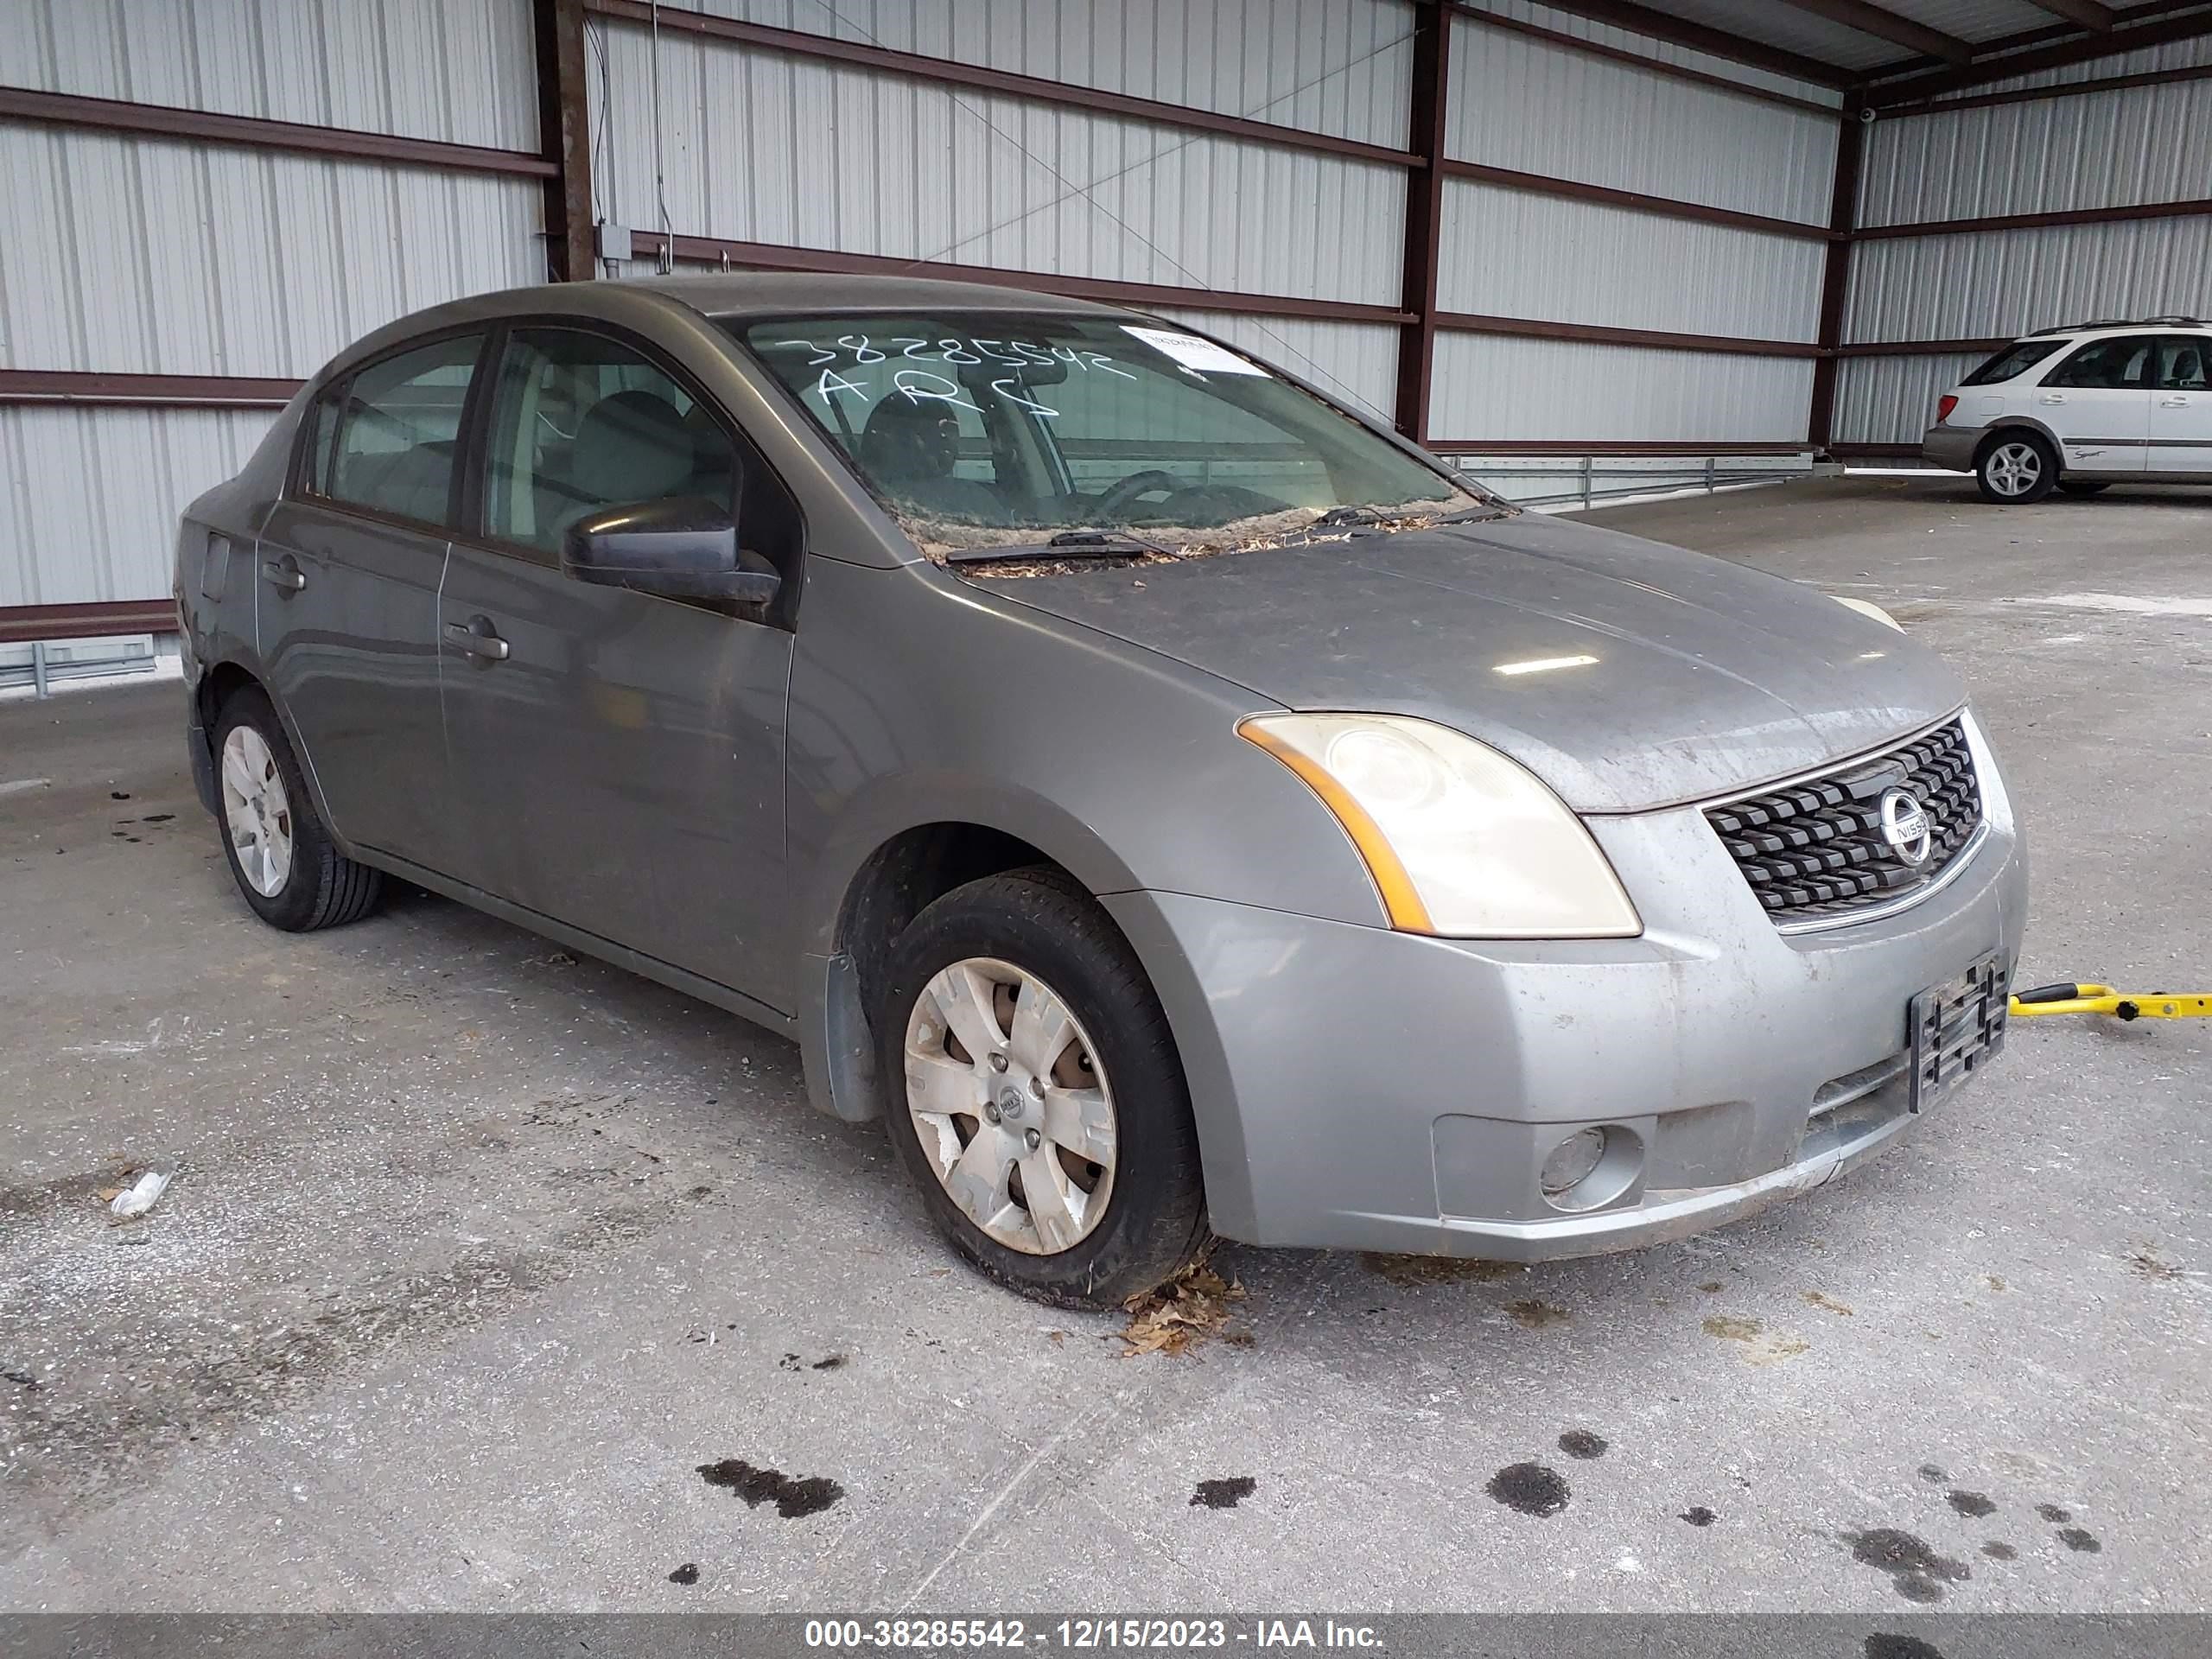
(1120, 497)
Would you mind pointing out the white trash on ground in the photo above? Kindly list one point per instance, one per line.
(138, 1197)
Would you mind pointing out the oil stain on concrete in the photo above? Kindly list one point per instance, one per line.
(1529, 1488)
(1223, 1494)
(1918, 1573)
(792, 1499)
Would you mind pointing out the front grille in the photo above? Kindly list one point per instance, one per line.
(1816, 850)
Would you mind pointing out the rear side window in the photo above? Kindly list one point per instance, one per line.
(2014, 359)
(2182, 361)
(2107, 365)
(399, 423)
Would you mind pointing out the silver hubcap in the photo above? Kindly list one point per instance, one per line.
(2014, 469)
(257, 812)
(1011, 1105)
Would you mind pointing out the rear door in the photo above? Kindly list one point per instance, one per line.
(2181, 406)
(2098, 401)
(347, 576)
(618, 758)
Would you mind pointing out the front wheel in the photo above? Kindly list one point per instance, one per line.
(2084, 485)
(2017, 468)
(1036, 1095)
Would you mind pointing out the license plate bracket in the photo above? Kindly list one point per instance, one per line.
(1957, 1027)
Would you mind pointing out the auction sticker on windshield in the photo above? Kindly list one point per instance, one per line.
(1202, 356)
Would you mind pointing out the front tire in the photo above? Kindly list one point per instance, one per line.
(2017, 468)
(1035, 1095)
(279, 852)
(2084, 485)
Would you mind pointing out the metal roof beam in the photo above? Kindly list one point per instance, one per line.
(2076, 48)
(1889, 26)
(1699, 37)
(2088, 13)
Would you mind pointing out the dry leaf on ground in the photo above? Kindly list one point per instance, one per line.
(1183, 1311)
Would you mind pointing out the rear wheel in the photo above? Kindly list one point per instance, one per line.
(2017, 468)
(280, 855)
(1037, 1097)
(2084, 485)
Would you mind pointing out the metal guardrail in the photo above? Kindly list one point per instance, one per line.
(1590, 485)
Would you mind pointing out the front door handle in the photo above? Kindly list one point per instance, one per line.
(475, 637)
(2173, 402)
(284, 573)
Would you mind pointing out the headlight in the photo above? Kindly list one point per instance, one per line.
(1996, 800)
(1461, 841)
(1868, 607)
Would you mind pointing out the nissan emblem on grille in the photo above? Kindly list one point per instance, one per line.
(1904, 826)
(1871, 832)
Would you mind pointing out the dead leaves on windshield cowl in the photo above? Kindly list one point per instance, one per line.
(1183, 1312)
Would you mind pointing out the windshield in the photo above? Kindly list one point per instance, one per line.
(990, 429)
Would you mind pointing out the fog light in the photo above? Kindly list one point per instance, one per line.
(1570, 1162)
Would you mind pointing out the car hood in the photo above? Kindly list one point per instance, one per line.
(1705, 677)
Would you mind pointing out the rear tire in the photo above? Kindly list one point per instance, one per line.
(2084, 485)
(282, 857)
(1069, 1136)
(2015, 468)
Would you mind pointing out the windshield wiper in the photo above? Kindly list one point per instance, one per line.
(1353, 518)
(1068, 544)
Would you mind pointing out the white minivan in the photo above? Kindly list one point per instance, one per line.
(2081, 408)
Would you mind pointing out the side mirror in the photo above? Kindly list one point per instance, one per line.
(685, 547)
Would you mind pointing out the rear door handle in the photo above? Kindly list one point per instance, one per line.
(283, 573)
(2053, 398)
(475, 637)
(2173, 402)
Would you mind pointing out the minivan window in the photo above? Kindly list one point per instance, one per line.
(584, 423)
(2183, 359)
(2014, 359)
(398, 420)
(2105, 365)
(980, 429)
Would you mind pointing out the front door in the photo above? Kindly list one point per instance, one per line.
(2098, 401)
(618, 758)
(2181, 406)
(347, 573)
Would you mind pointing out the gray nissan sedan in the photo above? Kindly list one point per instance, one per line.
(1174, 803)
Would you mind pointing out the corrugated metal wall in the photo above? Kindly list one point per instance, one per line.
(1510, 389)
(1536, 106)
(2117, 148)
(760, 146)
(1339, 67)
(152, 256)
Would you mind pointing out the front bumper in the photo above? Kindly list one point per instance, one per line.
(1950, 447)
(1360, 1088)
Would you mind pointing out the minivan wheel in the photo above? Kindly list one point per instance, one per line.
(2017, 468)
(2084, 485)
(1037, 1097)
(279, 853)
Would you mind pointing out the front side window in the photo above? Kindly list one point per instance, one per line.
(397, 425)
(2107, 365)
(983, 429)
(584, 423)
(2012, 360)
(2182, 360)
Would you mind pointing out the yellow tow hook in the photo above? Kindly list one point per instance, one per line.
(2102, 999)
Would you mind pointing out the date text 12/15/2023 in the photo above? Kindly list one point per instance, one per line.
(1087, 1633)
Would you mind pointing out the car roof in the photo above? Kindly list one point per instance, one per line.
(781, 293)
(2104, 330)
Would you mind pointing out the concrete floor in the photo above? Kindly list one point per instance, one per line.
(479, 1252)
